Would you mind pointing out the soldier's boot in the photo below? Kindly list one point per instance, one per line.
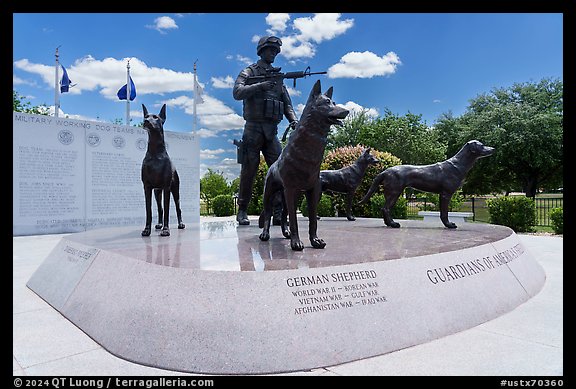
(242, 217)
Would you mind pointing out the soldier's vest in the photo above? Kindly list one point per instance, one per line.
(264, 105)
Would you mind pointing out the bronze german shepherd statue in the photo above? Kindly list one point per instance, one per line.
(443, 178)
(297, 169)
(347, 179)
(159, 174)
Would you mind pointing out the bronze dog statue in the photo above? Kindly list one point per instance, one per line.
(297, 169)
(443, 178)
(347, 179)
(159, 174)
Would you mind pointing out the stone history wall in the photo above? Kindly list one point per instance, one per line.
(74, 175)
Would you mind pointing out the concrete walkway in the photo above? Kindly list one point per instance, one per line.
(525, 342)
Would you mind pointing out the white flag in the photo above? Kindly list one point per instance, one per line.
(198, 93)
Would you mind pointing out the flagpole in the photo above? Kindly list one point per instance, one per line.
(128, 91)
(195, 122)
(56, 88)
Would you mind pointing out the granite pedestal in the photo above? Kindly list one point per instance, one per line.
(454, 217)
(215, 299)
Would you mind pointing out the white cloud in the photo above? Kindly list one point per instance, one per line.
(357, 108)
(277, 22)
(19, 81)
(240, 58)
(211, 154)
(364, 65)
(436, 101)
(293, 92)
(294, 48)
(213, 114)
(244, 60)
(163, 23)
(308, 32)
(223, 122)
(205, 133)
(62, 114)
(299, 109)
(210, 106)
(305, 33)
(222, 82)
(350, 106)
(109, 74)
(136, 116)
(321, 27)
(228, 162)
(45, 71)
(229, 168)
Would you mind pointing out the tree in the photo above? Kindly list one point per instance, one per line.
(213, 184)
(235, 185)
(525, 124)
(347, 134)
(120, 122)
(405, 137)
(19, 105)
(408, 138)
(485, 177)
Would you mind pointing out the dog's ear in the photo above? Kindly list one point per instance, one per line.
(144, 110)
(315, 92)
(162, 114)
(367, 151)
(329, 93)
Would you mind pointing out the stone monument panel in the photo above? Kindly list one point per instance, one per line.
(48, 175)
(73, 175)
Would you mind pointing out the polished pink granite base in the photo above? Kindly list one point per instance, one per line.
(225, 245)
(215, 299)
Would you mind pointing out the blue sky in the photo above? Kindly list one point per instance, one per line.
(423, 63)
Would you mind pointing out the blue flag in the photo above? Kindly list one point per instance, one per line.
(65, 82)
(122, 92)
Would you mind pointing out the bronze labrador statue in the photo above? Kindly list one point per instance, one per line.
(347, 179)
(297, 169)
(443, 178)
(159, 174)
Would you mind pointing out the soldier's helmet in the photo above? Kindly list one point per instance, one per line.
(268, 41)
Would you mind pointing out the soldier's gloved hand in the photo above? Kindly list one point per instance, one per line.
(267, 85)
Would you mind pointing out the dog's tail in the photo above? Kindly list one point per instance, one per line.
(373, 188)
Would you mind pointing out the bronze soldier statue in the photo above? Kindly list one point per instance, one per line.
(265, 102)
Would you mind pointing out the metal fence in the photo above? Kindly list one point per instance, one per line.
(477, 205)
(543, 207)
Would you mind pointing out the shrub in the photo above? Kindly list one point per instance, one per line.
(325, 208)
(346, 156)
(212, 184)
(223, 205)
(556, 216)
(399, 210)
(255, 206)
(516, 212)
